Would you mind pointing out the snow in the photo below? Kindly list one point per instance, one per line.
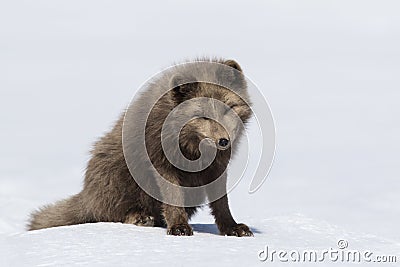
(107, 244)
(330, 71)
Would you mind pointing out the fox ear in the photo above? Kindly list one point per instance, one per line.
(233, 64)
(182, 86)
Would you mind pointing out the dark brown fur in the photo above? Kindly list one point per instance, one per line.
(110, 194)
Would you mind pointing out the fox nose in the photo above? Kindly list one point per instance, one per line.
(223, 142)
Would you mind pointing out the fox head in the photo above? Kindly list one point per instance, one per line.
(213, 112)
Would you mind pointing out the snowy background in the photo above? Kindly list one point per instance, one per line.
(329, 69)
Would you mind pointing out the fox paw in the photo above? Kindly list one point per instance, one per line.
(140, 220)
(239, 230)
(183, 229)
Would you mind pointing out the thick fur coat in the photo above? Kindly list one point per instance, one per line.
(110, 194)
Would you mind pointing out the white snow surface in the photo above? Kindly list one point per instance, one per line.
(329, 70)
(107, 244)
